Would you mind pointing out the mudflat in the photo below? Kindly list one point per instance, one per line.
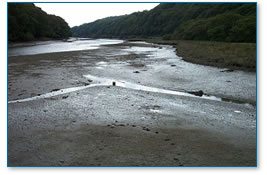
(64, 110)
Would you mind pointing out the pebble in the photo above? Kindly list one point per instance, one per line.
(64, 97)
(146, 129)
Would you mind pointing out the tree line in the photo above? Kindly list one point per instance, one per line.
(230, 22)
(27, 22)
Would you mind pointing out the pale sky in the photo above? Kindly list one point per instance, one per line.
(79, 13)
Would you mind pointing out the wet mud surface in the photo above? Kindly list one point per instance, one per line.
(64, 110)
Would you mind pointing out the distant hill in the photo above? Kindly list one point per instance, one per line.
(27, 22)
(231, 22)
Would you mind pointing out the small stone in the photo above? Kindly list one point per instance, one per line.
(64, 97)
(45, 110)
(61, 161)
(53, 90)
(73, 121)
(173, 65)
(146, 129)
(176, 159)
(172, 143)
(136, 72)
(167, 140)
(156, 132)
(133, 125)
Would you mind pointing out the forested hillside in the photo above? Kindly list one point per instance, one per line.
(27, 22)
(231, 22)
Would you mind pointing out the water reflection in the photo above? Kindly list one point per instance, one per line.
(59, 46)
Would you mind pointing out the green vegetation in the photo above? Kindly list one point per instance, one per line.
(27, 22)
(231, 55)
(240, 56)
(229, 22)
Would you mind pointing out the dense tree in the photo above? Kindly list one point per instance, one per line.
(234, 22)
(27, 22)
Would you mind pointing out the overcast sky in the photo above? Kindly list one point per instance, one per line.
(80, 13)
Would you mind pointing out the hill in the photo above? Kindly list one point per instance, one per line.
(230, 22)
(27, 22)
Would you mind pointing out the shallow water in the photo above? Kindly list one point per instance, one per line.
(59, 46)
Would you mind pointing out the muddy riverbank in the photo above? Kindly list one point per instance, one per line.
(110, 125)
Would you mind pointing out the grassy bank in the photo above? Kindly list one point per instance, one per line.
(238, 56)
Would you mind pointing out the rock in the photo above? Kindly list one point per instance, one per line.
(45, 110)
(136, 72)
(64, 97)
(146, 129)
(167, 140)
(113, 83)
(61, 161)
(197, 93)
(133, 125)
(172, 143)
(173, 65)
(73, 121)
(53, 90)
(121, 125)
(176, 159)
(89, 80)
(157, 132)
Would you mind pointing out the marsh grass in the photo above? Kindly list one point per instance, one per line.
(232, 55)
(239, 56)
